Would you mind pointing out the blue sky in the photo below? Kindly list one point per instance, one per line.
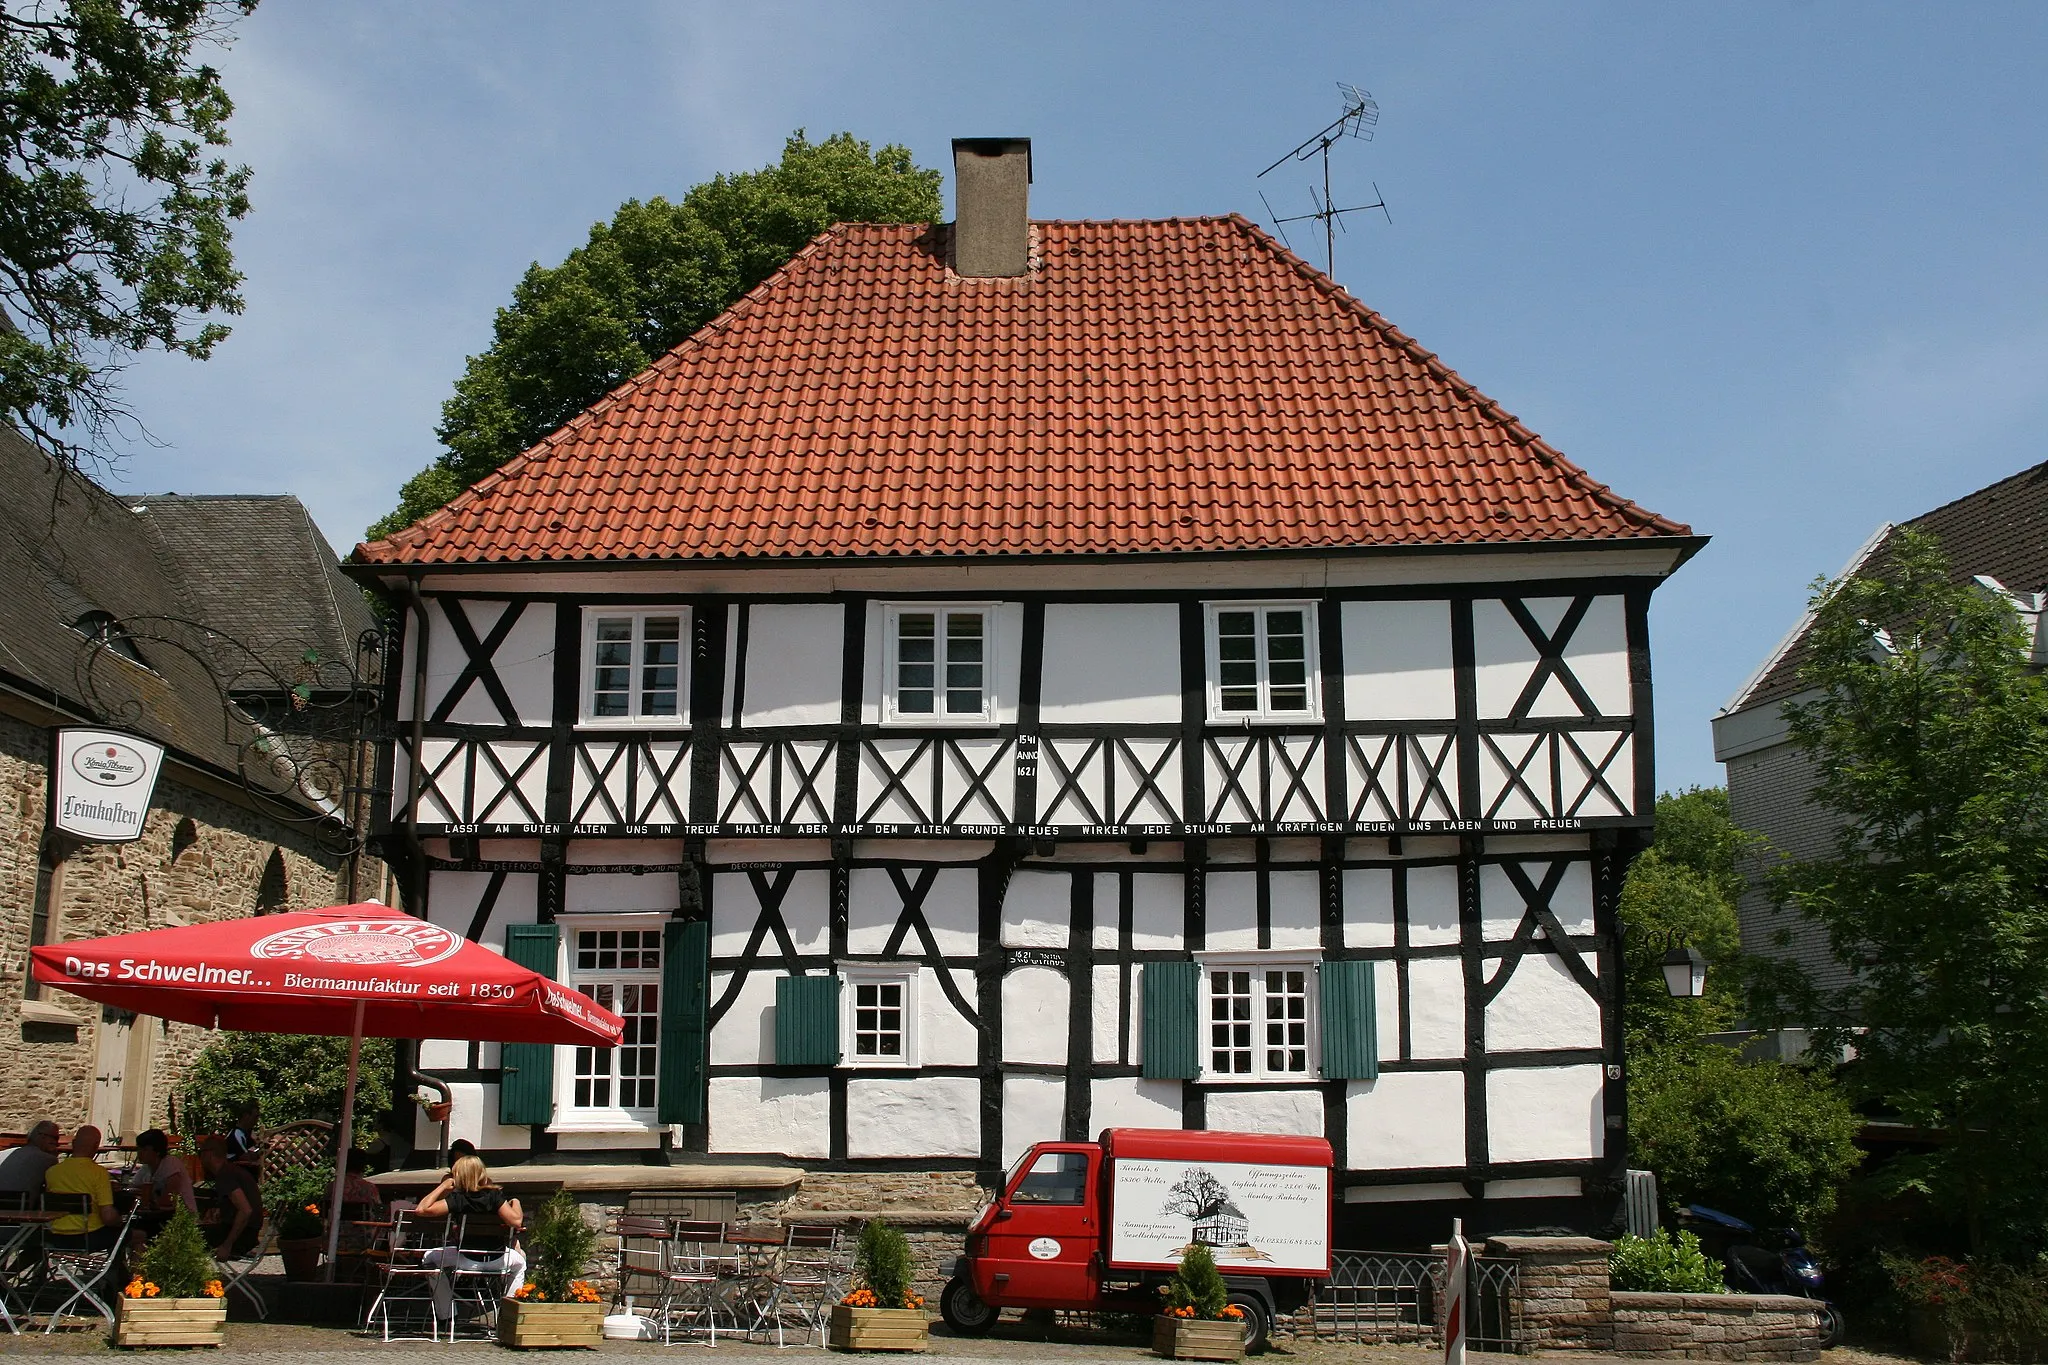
(1775, 270)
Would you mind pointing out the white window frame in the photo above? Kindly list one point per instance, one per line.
(852, 976)
(938, 718)
(569, 1118)
(586, 665)
(1258, 963)
(1265, 714)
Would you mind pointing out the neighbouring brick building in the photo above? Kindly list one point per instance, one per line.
(146, 614)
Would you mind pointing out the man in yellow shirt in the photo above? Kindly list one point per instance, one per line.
(80, 1174)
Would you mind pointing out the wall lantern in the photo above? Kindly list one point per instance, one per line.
(1685, 973)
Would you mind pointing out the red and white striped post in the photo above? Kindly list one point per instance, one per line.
(1457, 1267)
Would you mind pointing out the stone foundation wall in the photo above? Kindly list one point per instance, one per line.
(1716, 1326)
(1565, 1300)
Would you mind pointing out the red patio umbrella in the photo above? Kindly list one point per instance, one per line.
(350, 970)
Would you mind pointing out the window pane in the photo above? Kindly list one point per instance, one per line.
(1237, 660)
(611, 660)
(916, 663)
(964, 663)
(1055, 1178)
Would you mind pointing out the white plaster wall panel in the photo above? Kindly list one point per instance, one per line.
(453, 898)
(1432, 906)
(1542, 1006)
(1037, 909)
(873, 660)
(1301, 800)
(1597, 655)
(784, 782)
(442, 799)
(1502, 906)
(635, 1139)
(785, 1115)
(1132, 1102)
(524, 661)
(1598, 774)
(1158, 910)
(598, 892)
(1105, 1013)
(1073, 781)
(1294, 912)
(746, 1035)
(769, 851)
(528, 850)
(873, 907)
(1403, 1194)
(1293, 1112)
(475, 1117)
(447, 661)
(1386, 1006)
(1506, 844)
(736, 909)
(1503, 655)
(1402, 777)
(886, 800)
(1397, 661)
(979, 781)
(619, 781)
(1368, 907)
(922, 850)
(1034, 1110)
(1543, 1187)
(925, 1116)
(1112, 662)
(1436, 1008)
(1035, 1016)
(1406, 1120)
(1515, 772)
(1296, 850)
(1232, 904)
(620, 853)
(494, 799)
(1550, 1113)
(1006, 644)
(793, 663)
(1147, 782)
(444, 1054)
(944, 1037)
(1105, 902)
(1233, 850)
(1225, 761)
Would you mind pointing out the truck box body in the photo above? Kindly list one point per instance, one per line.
(1261, 1204)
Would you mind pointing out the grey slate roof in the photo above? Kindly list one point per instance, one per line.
(252, 568)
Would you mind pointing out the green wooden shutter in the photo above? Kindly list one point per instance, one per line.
(1350, 1021)
(685, 1021)
(526, 1087)
(1172, 1020)
(807, 1021)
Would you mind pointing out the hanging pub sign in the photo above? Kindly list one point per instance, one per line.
(102, 783)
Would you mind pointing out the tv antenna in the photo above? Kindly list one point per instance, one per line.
(1361, 115)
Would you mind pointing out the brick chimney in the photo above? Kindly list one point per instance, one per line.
(991, 206)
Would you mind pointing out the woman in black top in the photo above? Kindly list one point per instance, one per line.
(469, 1192)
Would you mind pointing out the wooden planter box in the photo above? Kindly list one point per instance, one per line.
(536, 1325)
(875, 1329)
(1192, 1339)
(170, 1322)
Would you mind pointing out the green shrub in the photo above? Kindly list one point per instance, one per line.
(882, 1259)
(1659, 1265)
(1996, 1311)
(559, 1244)
(295, 1195)
(177, 1262)
(291, 1076)
(1197, 1285)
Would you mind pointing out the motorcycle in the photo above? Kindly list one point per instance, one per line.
(1751, 1266)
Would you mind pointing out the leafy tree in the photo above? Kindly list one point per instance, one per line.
(291, 1076)
(642, 283)
(114, 215)
(1682, 890)
(1929, 742)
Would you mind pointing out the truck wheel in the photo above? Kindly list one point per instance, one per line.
(963, 1309)
(1257, 1318)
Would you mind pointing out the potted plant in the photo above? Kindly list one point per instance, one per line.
(178, 1299)
(296, 1195)
(553, 1307)
(881, 1314)
(1197, 1320)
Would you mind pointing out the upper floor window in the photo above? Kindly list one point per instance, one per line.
(1258, 1018)
(633, 671)
(102, 629)
(938, 667)
(1262, 661)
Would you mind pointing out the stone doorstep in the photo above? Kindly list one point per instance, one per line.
(621, 1178)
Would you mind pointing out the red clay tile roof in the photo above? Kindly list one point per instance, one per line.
(1184, 385)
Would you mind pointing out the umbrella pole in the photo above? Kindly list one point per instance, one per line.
(343, 1143)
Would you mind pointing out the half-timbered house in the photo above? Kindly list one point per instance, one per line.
(1005, 679)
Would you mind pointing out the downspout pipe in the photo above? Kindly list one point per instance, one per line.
(409, 1048)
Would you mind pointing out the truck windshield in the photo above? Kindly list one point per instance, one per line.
(1055, 1178)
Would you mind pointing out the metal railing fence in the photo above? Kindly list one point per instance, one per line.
(1391, 1296)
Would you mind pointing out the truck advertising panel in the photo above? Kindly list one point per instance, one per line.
(1255, 1218)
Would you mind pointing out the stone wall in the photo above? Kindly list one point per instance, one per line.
(1565, 1299)
(212, 870)
(1716, 1326)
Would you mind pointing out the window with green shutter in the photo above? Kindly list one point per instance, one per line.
(807, 1021)
(526, 1082)
(1171, 1032)
(1350, 1020)
(685, 1021)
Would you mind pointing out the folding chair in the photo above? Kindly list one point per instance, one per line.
(236, 1270)
(644, 1242)
(84, 1272)
(700, 1276)
(408, 1281)
(16, 1267)
(477, 1280)
(809, 1281)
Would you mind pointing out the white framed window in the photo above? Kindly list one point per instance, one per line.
(1262, 661)
(616, 961)
(940, 665)
(878, 1016)
(635, 670)
(1258, 1017)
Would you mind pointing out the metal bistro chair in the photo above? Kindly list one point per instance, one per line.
(18, 1264)
(644, 1242)
(236, 1270)
(407, 1280)
(477, 1281)
(812, 1278)
(86, 1273)
(703, 1274)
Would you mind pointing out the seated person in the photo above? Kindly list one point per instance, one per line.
(170, 1183)
(459, 1149)
(357, 1187)
(22, 1168)
(470, 1192)
(241, 1138)
(79, 1174)
(235, 1216)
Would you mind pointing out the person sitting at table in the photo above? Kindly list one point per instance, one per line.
(235, 1215)
(22, 1168)
(469, 1191)
(357, 1187)
(170, 1183)
(79, 1174)
(241, 1138)
(459, 1149)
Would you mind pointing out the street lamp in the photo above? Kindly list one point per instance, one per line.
(1685, 973)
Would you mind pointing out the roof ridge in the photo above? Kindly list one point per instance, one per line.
(1515, 428)
(1987, 488)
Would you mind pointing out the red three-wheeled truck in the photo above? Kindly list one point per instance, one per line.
(1099, 1226)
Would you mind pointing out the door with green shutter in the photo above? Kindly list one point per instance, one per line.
(1350, 1021)
(685, 1021)
(526, 1084)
